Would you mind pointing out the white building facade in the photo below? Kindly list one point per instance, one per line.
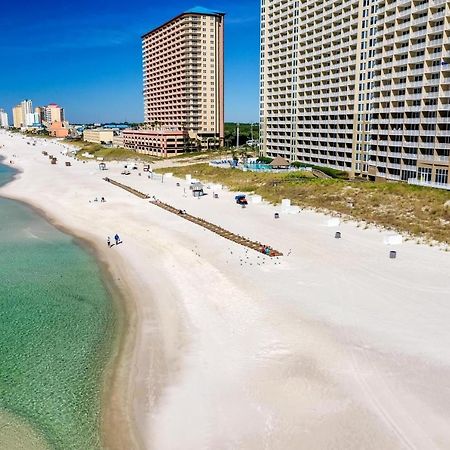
(27, 113)
(3, 119)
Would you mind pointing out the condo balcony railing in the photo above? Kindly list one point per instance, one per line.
(419, 182)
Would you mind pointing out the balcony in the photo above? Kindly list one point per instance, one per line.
(417, 182)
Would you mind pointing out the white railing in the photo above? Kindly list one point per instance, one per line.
(417, 182)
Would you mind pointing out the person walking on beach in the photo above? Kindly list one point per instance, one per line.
(109, 242)
(117, 239)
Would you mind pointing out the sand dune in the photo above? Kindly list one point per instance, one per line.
(333, 346)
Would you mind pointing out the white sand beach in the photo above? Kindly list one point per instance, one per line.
(333, 345)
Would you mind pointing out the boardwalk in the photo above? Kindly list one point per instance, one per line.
(127, 188)
(257, 246)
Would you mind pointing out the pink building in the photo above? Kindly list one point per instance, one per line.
(156, 143)
(57, 129)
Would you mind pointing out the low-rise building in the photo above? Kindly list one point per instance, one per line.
(98, 136)
(118, 139)
(58, 129)
(163, 143)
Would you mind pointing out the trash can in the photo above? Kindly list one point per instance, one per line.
(392, 254)
(216, 195)
(337, 235)
(277, 215)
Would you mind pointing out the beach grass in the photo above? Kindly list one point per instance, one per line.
(418, 211)
(109, 153)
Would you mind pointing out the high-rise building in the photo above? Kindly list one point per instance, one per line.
(360, 86)
(3, 119)
(411, 104)
(27, 113)
(53, 113)
(18, 121)
(40, 113)
(183, 66)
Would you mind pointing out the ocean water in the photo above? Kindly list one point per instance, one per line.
(57, 333)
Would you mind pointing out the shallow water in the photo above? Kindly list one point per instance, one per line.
(56, 333)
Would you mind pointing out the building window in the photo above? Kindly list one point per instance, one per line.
(442, 176)
(424, 174)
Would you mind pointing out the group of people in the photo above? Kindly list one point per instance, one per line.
(116, 238)
(266, 250)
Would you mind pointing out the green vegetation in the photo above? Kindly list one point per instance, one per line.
(416, 210)
(333, 173)
(245, 133)
(203, 155)
(108, 153)
(40, 135)
(265, 160)
(235, 179)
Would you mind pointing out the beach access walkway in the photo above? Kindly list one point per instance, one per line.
(127, 188)
(257, 246)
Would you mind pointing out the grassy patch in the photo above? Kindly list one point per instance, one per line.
(333, 173)
(203, 155)
(109, 153)
(416, 210)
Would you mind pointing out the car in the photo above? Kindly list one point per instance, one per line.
(126, 172)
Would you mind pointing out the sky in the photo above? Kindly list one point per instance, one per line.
(86, 55)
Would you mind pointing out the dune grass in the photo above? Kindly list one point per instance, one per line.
(109, 153)
(415, 210)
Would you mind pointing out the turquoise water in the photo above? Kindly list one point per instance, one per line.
(56, 330)
(258, 167)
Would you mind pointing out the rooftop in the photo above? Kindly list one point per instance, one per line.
(202, 10)
(194, 10)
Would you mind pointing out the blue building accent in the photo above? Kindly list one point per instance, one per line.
(202, 10)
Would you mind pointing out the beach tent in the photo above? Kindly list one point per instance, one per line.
(279, 163)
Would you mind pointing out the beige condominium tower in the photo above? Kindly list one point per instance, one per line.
(183, 69)
(358, 85)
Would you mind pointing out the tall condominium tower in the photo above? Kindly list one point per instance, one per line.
(18, 117)
(411, 110)
(53, 113)
(23, 114)
(184, 76)
(358, 85)
(27, 113)
(4, 123)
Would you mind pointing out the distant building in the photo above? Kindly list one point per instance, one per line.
(183, 65)
(29, 119)
(118, 140)
(27, 113)
(58, 129)
(53, 113)
(98, 136)
(23, 115)
(40, 111)
(18, 117)
(3, 119)
(155, 142)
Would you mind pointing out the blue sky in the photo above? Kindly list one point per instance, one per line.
(86, 55)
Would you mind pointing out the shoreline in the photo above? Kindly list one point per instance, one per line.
(230, 349)
(115, 431)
